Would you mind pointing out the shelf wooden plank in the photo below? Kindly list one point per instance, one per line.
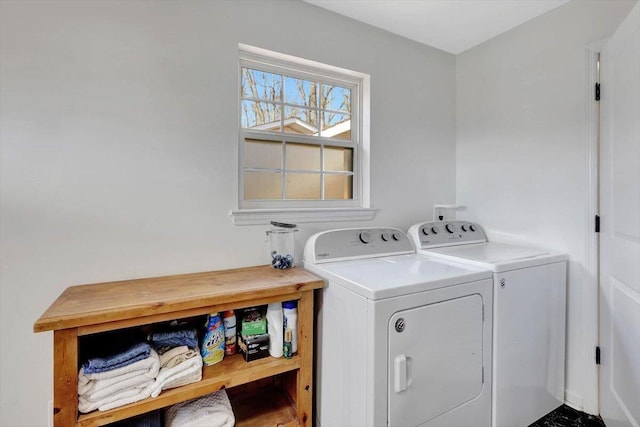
(96, 304)
(183, 314)
(231, 372)
(304, 381)
(65, 376)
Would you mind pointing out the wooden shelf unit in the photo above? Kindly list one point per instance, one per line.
(90, 309)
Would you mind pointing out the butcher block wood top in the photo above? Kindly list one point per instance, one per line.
(102, 303)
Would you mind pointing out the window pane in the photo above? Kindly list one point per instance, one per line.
(262, 154)
(303, 186)
(338, 187)
(299, 134)
(303, 157)
(260, 115)
(338, 159)
(336, 125)
(300, 92)
(261, 85)
(262, 185)
(300, 120)
(336, 98)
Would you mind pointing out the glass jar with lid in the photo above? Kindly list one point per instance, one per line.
(282, 243)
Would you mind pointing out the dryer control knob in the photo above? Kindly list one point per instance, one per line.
(395, 235)
(385, 236)
(450, 228)
(365, 237)
(463, 227)
(425, 231)
(435, 229)
(472, 227)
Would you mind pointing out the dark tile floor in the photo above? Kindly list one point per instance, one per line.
(565, 416)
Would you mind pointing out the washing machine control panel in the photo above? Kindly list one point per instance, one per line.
(433, 234)
(353, 243)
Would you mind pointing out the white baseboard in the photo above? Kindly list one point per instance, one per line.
(573, 400)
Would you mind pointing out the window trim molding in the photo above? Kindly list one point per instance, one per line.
(356, 209)
(301, 215)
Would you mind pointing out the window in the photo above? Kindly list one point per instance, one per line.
(303, 137)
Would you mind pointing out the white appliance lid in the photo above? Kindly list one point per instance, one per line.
(491, 252)
(387, 277)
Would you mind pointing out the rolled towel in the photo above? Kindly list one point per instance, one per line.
(148, 368)
(132, 354)
(191, 368)
(213, 410)
(188, 337)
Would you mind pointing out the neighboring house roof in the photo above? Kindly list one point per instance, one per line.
(295, 125)
(338, 129)
(292, 124)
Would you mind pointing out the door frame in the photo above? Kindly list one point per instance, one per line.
(590, 402)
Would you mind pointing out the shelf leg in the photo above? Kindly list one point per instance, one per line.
(305, 351)
(65, 377)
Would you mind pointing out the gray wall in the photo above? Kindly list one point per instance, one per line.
(522, 166)
(119, 147)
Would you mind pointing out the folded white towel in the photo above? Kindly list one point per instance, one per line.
(110, 389)
(190, 376)
(144, 365)
(87, 386)
(139, 381)
(213, 410)
(176, 355)
(114, 400)
(142, 394)
(188, 368)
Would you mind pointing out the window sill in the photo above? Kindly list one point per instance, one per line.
(296, 216)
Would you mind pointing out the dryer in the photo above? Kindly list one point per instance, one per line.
(529, 306)
(403, 339)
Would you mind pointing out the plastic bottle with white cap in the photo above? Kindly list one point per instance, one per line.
(275, 328)
(290, 310)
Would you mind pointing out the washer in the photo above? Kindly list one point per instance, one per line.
(529, 290)
(403, 339)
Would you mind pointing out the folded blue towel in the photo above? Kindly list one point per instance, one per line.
(188, 337)
(132, 354)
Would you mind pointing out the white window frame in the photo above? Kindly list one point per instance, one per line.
(249, 212)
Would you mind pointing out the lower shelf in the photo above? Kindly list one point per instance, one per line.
(231, 372)
(262, 405)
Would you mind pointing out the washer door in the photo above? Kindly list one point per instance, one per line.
(435, 360)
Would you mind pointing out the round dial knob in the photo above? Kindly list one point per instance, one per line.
(464, 227)
(435, 229)
(385, 236)
(395, 235)
(450, 228)
(365, 237)
(472, 227)
(425, 231)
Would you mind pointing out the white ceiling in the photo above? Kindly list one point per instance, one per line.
(451, 25)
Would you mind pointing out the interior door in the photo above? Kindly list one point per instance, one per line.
(620, 227)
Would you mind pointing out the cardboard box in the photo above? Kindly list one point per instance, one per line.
(253, 347)
(254, 321)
